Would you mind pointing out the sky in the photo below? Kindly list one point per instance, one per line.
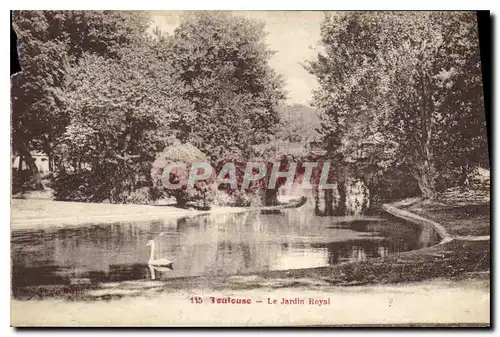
(293, 35)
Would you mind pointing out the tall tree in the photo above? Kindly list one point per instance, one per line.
(438, 115)
(48, 41)
(223, 60)
(351, 95)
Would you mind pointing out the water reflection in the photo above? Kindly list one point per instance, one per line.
(206, 245)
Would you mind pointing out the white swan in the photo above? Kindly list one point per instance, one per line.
(157, 262)
(153, 268)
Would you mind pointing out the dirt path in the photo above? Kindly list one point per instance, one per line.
(437, 301)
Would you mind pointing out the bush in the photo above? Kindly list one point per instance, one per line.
(142, 195)
(237, 198)
(89, 187)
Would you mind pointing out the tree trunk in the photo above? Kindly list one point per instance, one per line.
(426, 183)
(50, 160)
(426, 171)
(271, 197)
(47, 148)
(30, 162)
(316, 194)
(465, 176)
(21, 161)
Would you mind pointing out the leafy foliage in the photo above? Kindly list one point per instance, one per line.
(121, 112)
(223, 61)
(48, 43)
(400, 89)
(299, 123)
(102, 97)
(201, 194)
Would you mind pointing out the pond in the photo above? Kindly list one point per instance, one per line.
(221, 244)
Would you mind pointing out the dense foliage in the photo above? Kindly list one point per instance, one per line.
(112, 102)
(102, 96)
(202, 192)
(299, 123)
(223, 61)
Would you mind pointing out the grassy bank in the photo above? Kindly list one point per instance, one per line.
(36, 213)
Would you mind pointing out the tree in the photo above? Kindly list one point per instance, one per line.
(439, 116)
(223, 61)
(48, 41)
(463, 144)
(352, 99)
(397, 87)
(36, 116)
(122, 113)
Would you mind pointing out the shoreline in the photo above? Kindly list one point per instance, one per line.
(417, 219)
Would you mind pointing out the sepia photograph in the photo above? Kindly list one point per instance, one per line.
(250, 168)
